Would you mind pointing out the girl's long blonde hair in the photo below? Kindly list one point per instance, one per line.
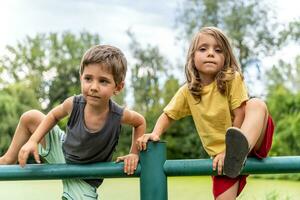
(224, 75)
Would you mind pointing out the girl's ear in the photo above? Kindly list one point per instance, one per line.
(119, 88)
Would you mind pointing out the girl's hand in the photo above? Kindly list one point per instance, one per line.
(218, 162)
(130, 162)
(30, 147)
(142, 141)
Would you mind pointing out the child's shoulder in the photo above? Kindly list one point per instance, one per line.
(78, 98)
(116, 108)
(238, 77)
(235, 77)
(184, 88)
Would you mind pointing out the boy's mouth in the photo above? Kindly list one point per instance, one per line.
(92, 96)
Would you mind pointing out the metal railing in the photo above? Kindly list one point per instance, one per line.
(153, 170)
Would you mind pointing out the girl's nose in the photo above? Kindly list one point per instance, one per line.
(210, 52)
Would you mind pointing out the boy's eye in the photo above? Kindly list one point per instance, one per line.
(87, 78)
(103, 81)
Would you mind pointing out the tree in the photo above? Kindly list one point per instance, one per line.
(284, 105)
(50, 63)
(14, 100)
(247, 23)
(148, 75)
(286, 75)
(291, 32)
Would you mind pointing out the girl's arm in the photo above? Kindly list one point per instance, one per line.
(239, 115)
(162, 123)
(51, 119)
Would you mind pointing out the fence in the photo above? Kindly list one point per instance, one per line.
(153, 170)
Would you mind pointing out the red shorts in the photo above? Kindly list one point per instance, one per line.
(223, 183)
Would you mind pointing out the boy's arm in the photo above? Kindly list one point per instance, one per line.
(51, 119)
(162, 123)
(138, 122)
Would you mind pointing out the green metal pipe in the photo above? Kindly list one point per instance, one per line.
(63, 171)
(153, 180)
(199, 167)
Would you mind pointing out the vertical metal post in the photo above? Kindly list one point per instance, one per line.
(153, 180)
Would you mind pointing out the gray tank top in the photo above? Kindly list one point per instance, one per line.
(82, 146)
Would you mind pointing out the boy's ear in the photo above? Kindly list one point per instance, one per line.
(119, 87)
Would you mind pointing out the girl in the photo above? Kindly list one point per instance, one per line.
(229, 124)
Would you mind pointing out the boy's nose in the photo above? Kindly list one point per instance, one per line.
(94, 86)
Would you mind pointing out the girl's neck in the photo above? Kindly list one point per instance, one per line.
(207, 80)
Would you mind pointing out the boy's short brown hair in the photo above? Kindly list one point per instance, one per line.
(110, 57)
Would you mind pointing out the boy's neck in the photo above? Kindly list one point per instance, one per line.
(97, 109)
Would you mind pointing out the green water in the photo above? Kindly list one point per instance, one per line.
(179, 188)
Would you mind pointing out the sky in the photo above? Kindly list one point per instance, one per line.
(151, 21)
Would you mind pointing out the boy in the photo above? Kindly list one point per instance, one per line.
(93, 127)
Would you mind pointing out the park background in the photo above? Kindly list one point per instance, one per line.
(42, 42)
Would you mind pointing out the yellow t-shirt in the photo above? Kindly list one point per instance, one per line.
(213, 114)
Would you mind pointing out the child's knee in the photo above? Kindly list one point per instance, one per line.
(257, 104)
(31, 117)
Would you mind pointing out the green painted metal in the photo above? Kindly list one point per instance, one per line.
(199, 167)
(152, 170)
(153, 180)
(63, 171)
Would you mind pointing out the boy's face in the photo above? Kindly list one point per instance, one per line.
(98, 85)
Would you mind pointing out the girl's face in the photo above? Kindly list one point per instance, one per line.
(98, 85)
(209, 58)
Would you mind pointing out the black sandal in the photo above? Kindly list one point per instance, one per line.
(237, 149)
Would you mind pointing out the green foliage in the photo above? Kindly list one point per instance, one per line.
(14, 100)
(49, 63)
(243, 21)
(284, 105)
(291, 32)
(149, 68)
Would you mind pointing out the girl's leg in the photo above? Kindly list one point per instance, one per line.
(255, 122)
(28, 123)
(239, 142)
(229, 194)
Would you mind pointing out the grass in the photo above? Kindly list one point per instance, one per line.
(183, 188)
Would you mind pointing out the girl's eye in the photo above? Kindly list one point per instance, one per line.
(218, 50)
(202, 49)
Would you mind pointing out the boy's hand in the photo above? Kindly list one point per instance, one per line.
(130, 162)
(142, 141)
(218, 162)
(29, 148)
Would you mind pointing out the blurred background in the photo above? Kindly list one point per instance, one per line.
(42, 42)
